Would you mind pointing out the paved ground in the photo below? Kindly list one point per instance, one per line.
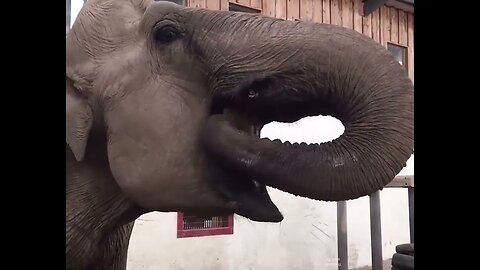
(387, 265)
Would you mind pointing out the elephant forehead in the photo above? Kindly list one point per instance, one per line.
(104, 26)
(160, 9)
(122, 70)
(99, 34)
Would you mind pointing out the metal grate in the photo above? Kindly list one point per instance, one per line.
(190, 226)
(193, 222)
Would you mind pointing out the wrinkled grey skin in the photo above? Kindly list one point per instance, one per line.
(148, 88)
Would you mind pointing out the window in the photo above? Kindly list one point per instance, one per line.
(192, 226)
(399, 52)
(180, 2)
(242, 8)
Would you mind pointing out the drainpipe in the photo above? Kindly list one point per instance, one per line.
(68, 15)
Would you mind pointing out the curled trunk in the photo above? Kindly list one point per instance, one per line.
(302, 69)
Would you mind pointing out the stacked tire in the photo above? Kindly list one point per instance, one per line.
(403, 258)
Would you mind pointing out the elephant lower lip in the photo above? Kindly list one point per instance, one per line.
(246, 197)
(263, 210)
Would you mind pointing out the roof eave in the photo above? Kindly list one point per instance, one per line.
(370, 6)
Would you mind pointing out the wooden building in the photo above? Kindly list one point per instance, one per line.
(389, 22)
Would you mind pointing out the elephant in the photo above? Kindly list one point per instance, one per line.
(161, 100)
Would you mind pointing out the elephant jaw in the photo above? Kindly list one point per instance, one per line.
(255, 204)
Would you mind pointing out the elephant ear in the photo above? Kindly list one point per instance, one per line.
(79, 121)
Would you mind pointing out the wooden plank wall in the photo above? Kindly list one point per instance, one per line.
(385, 25)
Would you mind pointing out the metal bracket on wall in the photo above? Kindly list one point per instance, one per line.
(402, 182)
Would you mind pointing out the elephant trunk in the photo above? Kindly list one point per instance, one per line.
(296, 69)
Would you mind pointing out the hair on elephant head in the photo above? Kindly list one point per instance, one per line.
(149, 84)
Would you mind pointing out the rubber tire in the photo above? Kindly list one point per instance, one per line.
(404, 258)
(402, 261)
(407, 249)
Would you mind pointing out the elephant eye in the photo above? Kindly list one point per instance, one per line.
(166, 33)
(252, 93)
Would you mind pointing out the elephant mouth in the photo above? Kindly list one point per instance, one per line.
(238, 114)
(243, 195)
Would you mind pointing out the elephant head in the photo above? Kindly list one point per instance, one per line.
(160, 85)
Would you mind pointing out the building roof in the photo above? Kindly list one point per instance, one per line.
(370, 6)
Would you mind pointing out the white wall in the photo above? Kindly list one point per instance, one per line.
(288, 245)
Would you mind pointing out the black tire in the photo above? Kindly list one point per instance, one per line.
(402, 261)
(407, 249)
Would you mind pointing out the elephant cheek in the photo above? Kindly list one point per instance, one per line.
(143, 179)
(134, 144)
(131, 173)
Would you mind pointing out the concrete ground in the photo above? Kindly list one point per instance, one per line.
(387, 265)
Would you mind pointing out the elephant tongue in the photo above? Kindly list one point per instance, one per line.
(241, 122)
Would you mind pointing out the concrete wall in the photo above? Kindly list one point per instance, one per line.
(306, 239)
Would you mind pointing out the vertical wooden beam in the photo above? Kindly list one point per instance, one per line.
(347, 13)
(410, 57)
(197, 3)
(326, 18)
(384, 25)
(317, 11)
(268, 8)
(335, 12)
(223, 4)
(293, 9)
(376, 25)
(281, 9)
(394, 24)
(256, 4)
(213, 4)
(402, 28)
(306, 10)
(357, 15)
(367, 26)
